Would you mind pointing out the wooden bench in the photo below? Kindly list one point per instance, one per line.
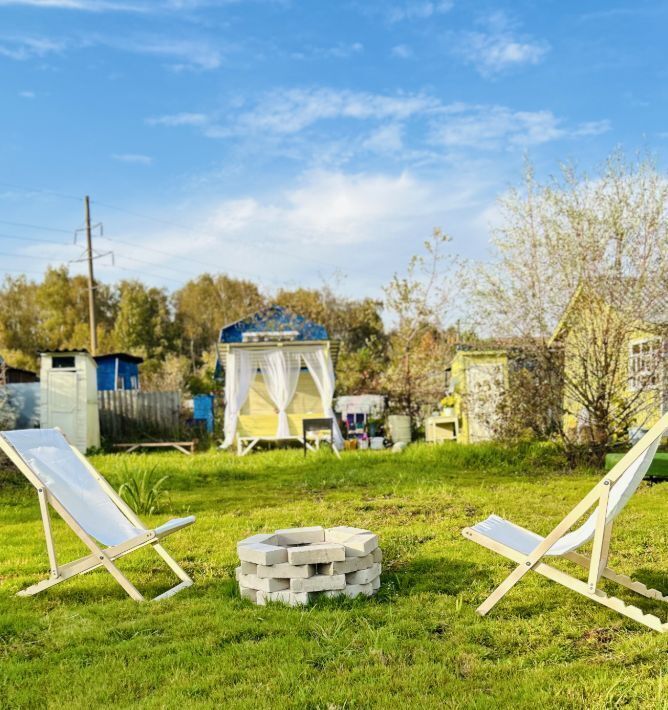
(185, 447)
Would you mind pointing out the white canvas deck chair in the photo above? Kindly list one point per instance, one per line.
(609, 496)
(89, 505)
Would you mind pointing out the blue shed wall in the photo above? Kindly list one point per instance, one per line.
(106, 374)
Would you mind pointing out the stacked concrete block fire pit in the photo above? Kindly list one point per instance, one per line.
(297, 564)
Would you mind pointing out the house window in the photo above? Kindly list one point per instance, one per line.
(645, 363)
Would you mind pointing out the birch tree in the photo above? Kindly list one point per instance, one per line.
(595, 250)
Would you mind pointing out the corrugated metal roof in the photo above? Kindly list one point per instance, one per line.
(274, 319)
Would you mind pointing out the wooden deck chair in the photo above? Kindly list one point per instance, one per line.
(109, 528)
(609, 496)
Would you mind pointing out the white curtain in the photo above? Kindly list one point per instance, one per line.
(322, 371)
(238, 379)
(281, 373)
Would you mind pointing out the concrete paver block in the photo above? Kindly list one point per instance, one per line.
(300, 536)
(264, 538)
(266, 585)
(350, 564)
(361, 544)
(342, 533)
(248, 593)
(351, 590)
(364, 576)
(262, 554)
(285, 570)
(318, 583)
(285, 597)
(248, 567)
(316, 553)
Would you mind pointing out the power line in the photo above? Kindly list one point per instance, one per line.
(42, 191)
(37, 226)
(159, 220)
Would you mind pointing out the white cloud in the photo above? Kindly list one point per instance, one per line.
(178, 119)
(23, 48)
(498, 48)
(330, 208)
(494, 127)
(418, 10)
(342, 50)
(27, 94)
(136, 158)
(403, 51)
(293, 110)
(187, 54)
(85, 5)
(386, 139)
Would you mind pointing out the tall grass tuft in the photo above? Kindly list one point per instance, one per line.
(143, 491)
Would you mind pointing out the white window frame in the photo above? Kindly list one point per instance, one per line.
(637, 375)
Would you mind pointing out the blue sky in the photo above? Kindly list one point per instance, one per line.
(296, 142)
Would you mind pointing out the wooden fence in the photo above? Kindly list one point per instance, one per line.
(130, 415)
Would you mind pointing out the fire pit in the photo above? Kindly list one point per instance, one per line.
(297, 564)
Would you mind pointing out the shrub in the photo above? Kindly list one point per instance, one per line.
(143, 491)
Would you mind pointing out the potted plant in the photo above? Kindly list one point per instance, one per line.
(448, 405)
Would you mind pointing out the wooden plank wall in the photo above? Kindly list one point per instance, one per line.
(133, 415)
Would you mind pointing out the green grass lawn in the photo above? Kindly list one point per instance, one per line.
(418, 644)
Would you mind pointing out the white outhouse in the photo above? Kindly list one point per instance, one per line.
(68, 396)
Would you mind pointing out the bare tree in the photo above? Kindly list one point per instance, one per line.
(417, 304)
(588, 258)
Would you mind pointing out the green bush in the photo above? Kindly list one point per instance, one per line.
(143, 491)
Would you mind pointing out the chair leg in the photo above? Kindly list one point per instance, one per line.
(508, 583)
(172, 564)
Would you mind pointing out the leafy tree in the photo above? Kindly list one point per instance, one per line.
(143, 325)
(207, 303)
(19, 324)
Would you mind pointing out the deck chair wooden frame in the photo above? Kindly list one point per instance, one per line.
(597, 563)
(99, 556)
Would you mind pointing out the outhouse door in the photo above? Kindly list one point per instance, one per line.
(484, 385)
(62, 401)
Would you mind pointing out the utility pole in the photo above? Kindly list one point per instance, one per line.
(91, 280)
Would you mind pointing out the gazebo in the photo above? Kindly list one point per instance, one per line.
(278, 369)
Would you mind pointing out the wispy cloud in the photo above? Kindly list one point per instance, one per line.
(417, 10)
(27, 94)
(386, 139)
(333, 125)
(293, 110)
(84, 5)
(403, 51)
(342, 50)
(23, 48)
(179, 119)
(496, 127)
(181, 53)
(499, 48)
(136, 158)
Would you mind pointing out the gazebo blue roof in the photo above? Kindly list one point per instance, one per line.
(273, 319)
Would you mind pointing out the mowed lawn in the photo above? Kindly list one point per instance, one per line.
(418, 644)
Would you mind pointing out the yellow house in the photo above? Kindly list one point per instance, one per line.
(279, 370)
(643, 370)
(477, 380)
